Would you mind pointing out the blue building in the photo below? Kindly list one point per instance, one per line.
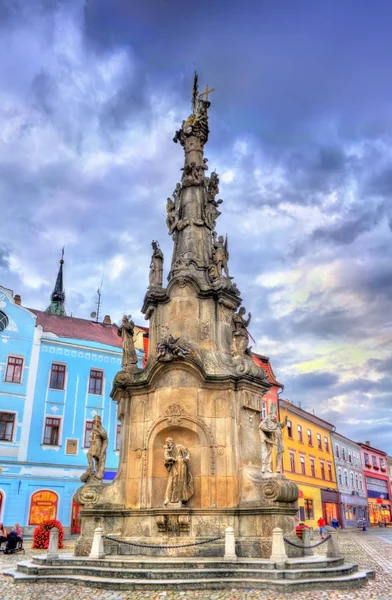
(56, 373)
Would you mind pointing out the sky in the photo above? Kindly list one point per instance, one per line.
(91, 93)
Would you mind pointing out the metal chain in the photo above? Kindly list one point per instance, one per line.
(307, 547)
(106, 537)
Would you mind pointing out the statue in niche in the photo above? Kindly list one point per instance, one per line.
(169, 348)
(156, 265)
(96, 455)
(271, 437)
(220, 254)
(126, 331)
(180, 486)
(240, 332)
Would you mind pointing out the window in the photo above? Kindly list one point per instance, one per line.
(350, 460)
(71, 446)
(52, 430)
(361, 482)
(319, 446)
(356, 481)
(118, 433)
(14, 370)
(3, 321)
(299, 427)
(309, 513)
(343, 453)
(57, 377)
(263, 410)
(289, 429)
(326, 442)
(302, 462)
(340, 476)
(322, 467)
(43, 507)
(345, 479)
(367, 461)
(7, 421)
(329, 466)
(292, 462)
(310, 441)
(374, 461)
(95, 384)
(352, 479)
(312, 468)
(381, 462)
(87, 432)
(337, 450)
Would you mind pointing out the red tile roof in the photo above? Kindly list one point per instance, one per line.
(81, 329)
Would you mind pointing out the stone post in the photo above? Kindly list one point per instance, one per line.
(53, 548)
(278, 555)
(333, 548)
(97, 549)
(230, 544)
(306, 541)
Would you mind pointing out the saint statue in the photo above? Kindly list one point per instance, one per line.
(125, 331)
(96, 454)
(271, 436)
(240, 333)
(180, 485)
(220, 254)
(156, 265)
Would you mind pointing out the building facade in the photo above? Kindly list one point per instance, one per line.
(378, 486)
(56, 373)
(308, 460)
(350, 479)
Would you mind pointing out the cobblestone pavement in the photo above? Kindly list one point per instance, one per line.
(368, 551)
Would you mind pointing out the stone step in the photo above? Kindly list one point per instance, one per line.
(205, 573)
(352, 581)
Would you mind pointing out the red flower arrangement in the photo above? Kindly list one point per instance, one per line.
(375, 467)
(42, 533)
(383, 469)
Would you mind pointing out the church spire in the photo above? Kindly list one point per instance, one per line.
(57, 297)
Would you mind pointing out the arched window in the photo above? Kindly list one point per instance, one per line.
(340, 476)
(360, 482)
(345, 478)
(356, 480)
(43, 507)
(352, 479)
(3, 321)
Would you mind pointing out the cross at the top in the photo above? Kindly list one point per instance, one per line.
(207, 92)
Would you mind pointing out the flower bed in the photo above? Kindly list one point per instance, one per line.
(42, 533)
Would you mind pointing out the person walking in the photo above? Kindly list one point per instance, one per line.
(321, 526)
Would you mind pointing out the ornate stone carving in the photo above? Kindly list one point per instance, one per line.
(96, 455)
(196, 125)
(180, 487)
(193, 174)
(220, 255)
(125, 331)
(211, 212)
(205, 327)
(240, 333)
(169, 348)
(88, 495)
(271, 437)
(156, 265)
(174, 414)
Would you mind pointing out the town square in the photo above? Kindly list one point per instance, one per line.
(194, 384)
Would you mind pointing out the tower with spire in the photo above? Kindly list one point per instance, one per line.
(57, 297)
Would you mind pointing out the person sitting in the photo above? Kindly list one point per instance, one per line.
(19, 533)
(3, 535)
(12, 542)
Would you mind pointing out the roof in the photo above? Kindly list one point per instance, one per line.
(82, 329)
(264, 363)
(371, 448)
(311, 417)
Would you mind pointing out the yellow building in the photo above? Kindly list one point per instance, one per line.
(308, 460)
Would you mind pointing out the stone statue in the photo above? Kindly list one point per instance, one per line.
(156, 265)
(193, 174)
(171, 220)
(169, 348)
(96, 454)
(271, 436)
(240, 333)
(125, 331)
(180, 485)
(220, 254)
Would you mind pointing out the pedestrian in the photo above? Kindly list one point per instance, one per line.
(335, 523)
(12, 541)
(3, 535)
(321, 526)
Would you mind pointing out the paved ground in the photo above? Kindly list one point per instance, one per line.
(371, 549)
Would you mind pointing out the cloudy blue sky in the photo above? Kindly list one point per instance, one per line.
(91, 92)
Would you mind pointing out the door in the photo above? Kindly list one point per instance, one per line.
(75, 521)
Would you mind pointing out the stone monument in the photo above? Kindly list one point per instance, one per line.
(190, 452)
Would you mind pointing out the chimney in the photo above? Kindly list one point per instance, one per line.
(17, 299)
(107, 320)
(367, 443)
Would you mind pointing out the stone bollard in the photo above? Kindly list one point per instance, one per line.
(306, 541)
(53, 548)
(97, 549)
(333, 548)
(229, 544)
(278, 555)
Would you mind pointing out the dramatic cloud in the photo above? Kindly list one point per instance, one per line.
(91, 93)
